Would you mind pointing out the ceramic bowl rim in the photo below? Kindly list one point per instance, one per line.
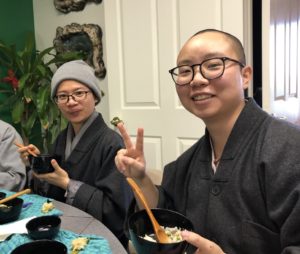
(37, 242)
(135, 214)
(31, 226)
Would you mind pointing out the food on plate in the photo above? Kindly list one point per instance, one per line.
(79, 243)
(47, 206)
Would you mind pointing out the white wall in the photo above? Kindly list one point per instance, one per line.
(47, 19)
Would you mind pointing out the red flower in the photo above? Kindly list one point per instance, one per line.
(11, 79)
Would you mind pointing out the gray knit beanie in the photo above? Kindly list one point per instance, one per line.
(76, 70)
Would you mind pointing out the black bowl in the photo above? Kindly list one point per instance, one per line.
(41, 246)
(12, 211)
(2, 195)
(41, 164)
(43, 227)
(139, 224)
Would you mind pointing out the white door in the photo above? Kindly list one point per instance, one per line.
(281, 58)
(142, 39)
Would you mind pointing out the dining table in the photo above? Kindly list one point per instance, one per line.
(80, 222)
(74, 223)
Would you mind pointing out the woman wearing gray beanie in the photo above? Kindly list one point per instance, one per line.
(86, 177)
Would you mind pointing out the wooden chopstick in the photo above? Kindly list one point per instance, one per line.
(28, 150)
(15, 195)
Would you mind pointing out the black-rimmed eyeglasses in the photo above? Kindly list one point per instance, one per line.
(76, 96)
(210, 69)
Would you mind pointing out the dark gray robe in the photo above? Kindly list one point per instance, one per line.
(105, 193)
(252, 203)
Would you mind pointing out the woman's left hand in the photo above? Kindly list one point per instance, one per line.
(204, 246)
(59, 177)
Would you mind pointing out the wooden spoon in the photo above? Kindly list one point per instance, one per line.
(160, 234)
(15, 195)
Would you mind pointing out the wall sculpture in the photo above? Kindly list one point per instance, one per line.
(86, 38)
(67, 6)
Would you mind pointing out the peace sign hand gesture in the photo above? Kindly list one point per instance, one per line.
(131, 161)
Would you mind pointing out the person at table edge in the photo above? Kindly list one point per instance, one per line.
(240, 183)
(86, 177)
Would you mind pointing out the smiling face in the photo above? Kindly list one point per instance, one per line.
(218, 98)
(76, 112)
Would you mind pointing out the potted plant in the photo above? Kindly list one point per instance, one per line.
(27, 87)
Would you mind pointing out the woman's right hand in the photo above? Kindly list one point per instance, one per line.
(24, 152)
(204, 246)
(131, 161)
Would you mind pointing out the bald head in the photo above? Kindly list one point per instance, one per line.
(235, 43)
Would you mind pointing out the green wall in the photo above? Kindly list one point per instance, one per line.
(16, 21)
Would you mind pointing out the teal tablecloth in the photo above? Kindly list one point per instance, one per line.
(95, 245)
(33, 206)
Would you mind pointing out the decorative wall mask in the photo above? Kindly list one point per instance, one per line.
(86, 38)
(67, 6)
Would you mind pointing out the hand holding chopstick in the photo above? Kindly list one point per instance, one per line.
(28, 150)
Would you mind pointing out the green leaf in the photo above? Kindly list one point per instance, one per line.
(44, 123)
(42, 99)
(18, 111)
(41, 54)
(23, 80)
(42, 69)
(27, 125)
(29, 93)
(6, 54)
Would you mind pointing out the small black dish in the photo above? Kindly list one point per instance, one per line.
(41, 246)
(12, 210)
(43, 227)
(2, 195)
(41, 164)
(139, 224)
